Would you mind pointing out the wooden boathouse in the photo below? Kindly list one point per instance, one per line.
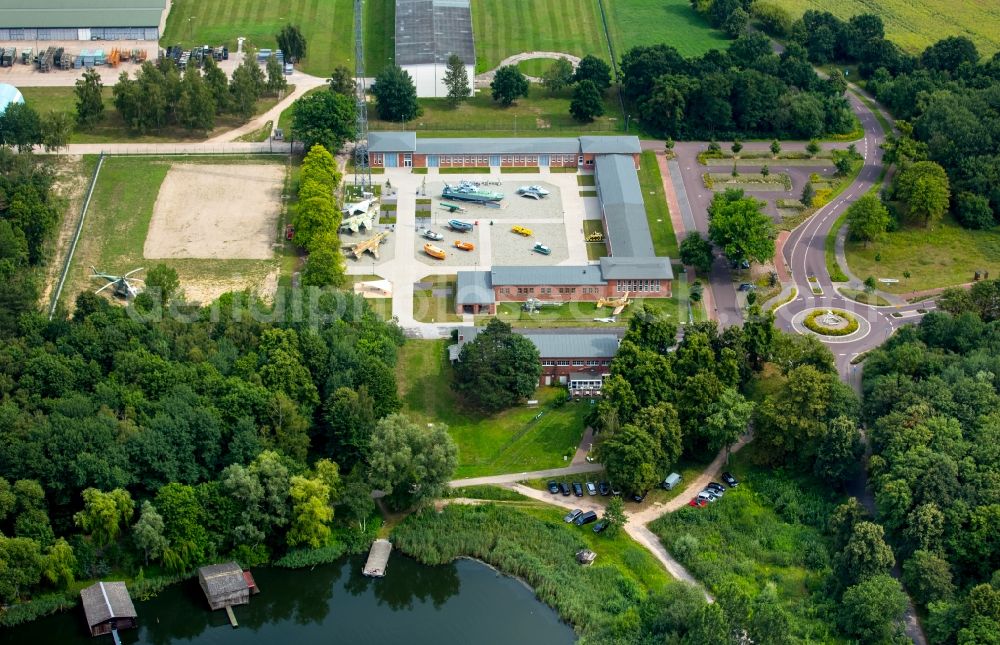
(226, 585)
(108, 608)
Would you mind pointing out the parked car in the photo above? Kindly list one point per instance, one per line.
(600, 526)
(604, 488)
(716, 488)
(697, 501)
(554, 488)
(586, 518)
(572, 515)
(731, 481)
(616, 491)
(638, 497)
(564, 489)
(591, 489)
(707, 496)
(746, 286)
(541, 248)
(672, 480)
(577, 489)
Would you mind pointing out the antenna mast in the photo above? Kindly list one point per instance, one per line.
(362, 168)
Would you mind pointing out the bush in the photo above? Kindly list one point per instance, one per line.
(302, 558)
(973, 211)
(811, 324)
(686, 547)
(36, 608)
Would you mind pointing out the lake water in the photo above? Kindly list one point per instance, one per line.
(462, 602)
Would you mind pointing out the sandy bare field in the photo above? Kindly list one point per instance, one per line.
(216, 212)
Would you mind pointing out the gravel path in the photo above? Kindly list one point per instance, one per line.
(487, 77)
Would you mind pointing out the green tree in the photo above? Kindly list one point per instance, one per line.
(395, 95)
(558, 76)
(22, 560)
(739, 226)
(104, 514)
(89, 98)
(58, 564)
(728, 420)
(650, 330)
(696, 251)
(867, 219)
(357, 498)
(311, 512)
(497, 368)
(276, 82)
(313, 218)
(246, 86)
(872, 609)
(813, 147)
(736, 148)
(769, 622)
(865, 555)
(808, 194)
(631, 457)
(973, 211)
(708, 626)
(594, 69)
(456, 79)
(162, 281)
(765, 170)
(587, 103)
(184, 526)
(843, 164)
(196, 107)
(775, 148)
(928, 577)
(737, 22)
(325, 265)
(614, 516)
(218, 85)
(20, 127)
(291, 42)
(57, 127)
(696, 291)
(661, 423)
(839, 452)
(923, 187)
(870, 285)
(341, 81)
(324, 118)
(147, 533)
(508, 85)
(350, 417)
(410, 463)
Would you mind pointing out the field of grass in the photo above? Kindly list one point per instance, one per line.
(111, 129)
(535, 66)
(657, 213)
(506, 27)
(915, 24)
(942, 256)
(651, 22)
(541, 114)
(118, 222)
(515, 440)
(380, 36)
(430, 308)
(582, 313)
(328, 26)
(764, 532)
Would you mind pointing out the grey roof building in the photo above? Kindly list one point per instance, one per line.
(624, 209)
(547, 275)
(474, 288)
(224, 585)
(389, 141)
(604, 145)
(80, 19)
(107, 606)
(580, 343)
(636, 268)
(429, 31)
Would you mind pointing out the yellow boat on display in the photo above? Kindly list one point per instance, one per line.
(465, 246)
(434, 252)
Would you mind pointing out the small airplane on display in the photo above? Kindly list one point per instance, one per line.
(370, 245)
(532, 192)
(459, 225)
(121, 285)
(355, 223)
(531, 305)
(618, 304)
(611, 320)
(359, 208)
(452, 208)
(428, 234)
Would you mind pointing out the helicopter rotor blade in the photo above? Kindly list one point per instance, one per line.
(132, 271)
(110, 284)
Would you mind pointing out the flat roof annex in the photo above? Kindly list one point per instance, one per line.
(587, 274)
(17, 14)
(624, 209)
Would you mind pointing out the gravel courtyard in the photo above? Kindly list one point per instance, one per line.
(513, 249)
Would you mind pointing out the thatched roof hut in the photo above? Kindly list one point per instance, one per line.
(108, 606)
(224, 585)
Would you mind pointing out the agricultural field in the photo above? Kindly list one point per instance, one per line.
(651, 22)
(111, 129)
(943, 256)
(541, 114)
(515, 440)
(915, 24)
(328, 26)
(503, 28)
(129, 215)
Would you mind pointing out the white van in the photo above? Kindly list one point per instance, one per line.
(672, 480)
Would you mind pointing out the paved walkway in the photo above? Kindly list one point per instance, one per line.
(512, 478)
(302, 82)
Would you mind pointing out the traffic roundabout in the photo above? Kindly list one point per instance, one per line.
(831, 325)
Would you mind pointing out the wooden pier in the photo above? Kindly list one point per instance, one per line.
(232, 617)
(378, 558)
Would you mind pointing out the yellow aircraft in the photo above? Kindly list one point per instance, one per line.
(370, 245)
(618, 303)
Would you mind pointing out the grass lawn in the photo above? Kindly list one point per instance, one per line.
(582, 313)
(915, 24)
(328, 27)
(863, 297)
(506, 27)
(942, 256)
(595, 250)
(748, 539)
(535, 66)
(118, 221)
(651, 22)
(515, 440)
(380, 37)
(111, 129)
(430, 308)
(657, 214)
(542, 113)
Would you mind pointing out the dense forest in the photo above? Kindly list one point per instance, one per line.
(931, 398)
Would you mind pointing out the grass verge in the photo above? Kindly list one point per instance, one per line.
(515, 440)
(582, 313)
(858, 295)
(657, 213)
